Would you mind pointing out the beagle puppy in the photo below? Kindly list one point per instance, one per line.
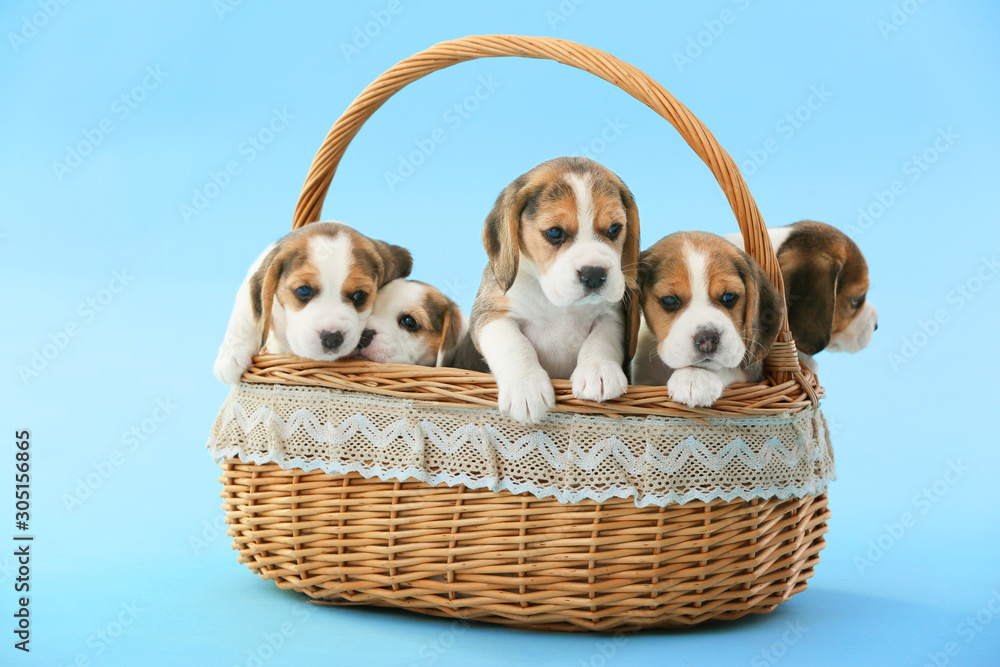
(309, 294)
(826, 288)
(412, 323)
(711, 316)
(557, 298)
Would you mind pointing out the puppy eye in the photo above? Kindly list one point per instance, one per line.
(613, 231)
(555, 235)
(729, 299)
(304, 293)
(670, 303)
(408, 322)
(857, 301)
(359, 298)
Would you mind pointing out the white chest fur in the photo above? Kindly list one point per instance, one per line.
(556, 333)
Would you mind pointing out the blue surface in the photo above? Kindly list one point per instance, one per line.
(130, 565)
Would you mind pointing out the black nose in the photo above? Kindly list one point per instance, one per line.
(593, 276)
(366, 338)
(707, 341)
(331, 340)
(876, 326)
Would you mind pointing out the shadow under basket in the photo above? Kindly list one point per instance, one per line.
(403, 486)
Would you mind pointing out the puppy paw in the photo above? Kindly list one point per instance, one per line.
(600, 381)
(527, 398)
(233, 360)
(695, 387)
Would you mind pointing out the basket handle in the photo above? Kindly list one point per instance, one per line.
(782, 360)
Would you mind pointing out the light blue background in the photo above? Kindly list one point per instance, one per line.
(149, 536)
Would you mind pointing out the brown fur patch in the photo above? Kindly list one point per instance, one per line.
(542, 199)
(823, 270)
(664, 272)
(440, 320)
(289, 266)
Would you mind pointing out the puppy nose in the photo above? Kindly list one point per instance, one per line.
(593, 276)
(331, 340)
(366, 338)
(876, 326)
(707, 340)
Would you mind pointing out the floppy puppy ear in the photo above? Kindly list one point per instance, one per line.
(502, 230)
(764, 312)
(454, 327)
(811, 294)
(630, 269)
(396, 261)
(263, 285)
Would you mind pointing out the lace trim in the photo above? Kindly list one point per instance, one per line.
(655, 460)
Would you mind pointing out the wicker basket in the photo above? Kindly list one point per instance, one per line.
(343, 536)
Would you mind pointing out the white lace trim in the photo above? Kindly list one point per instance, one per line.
(655, 460)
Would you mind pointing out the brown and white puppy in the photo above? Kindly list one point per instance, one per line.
(412, 323)
(557, 300)
(711, 316)
(309, 294)
(826, 288)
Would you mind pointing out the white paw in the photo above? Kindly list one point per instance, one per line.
(695, 387)
(600, 381)
(527, 398)
(233, 359)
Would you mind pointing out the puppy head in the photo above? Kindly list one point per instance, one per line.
(412, 323)
(569, 223)
(708, 302)
(323, 279)
(826, 286)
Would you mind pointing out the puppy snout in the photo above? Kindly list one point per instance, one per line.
(366, 338)
(876, 326)
(707, 340)
(331, 340)
(593, 277)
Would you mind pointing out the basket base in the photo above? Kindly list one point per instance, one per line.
(516, 559)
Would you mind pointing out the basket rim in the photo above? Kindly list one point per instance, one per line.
(459, 388)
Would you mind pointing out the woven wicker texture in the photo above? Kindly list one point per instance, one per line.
(518, 559)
